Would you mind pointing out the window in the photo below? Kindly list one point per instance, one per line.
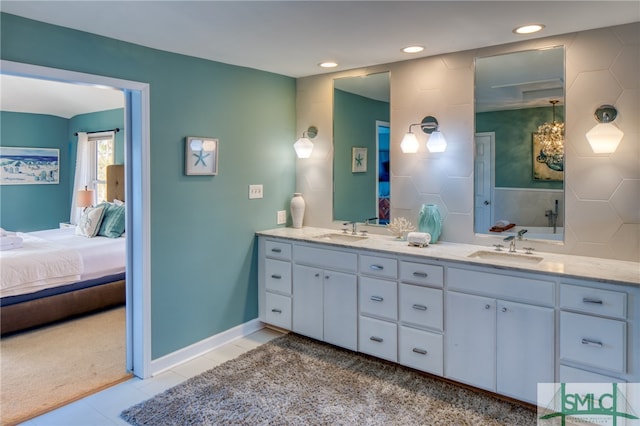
(103, 153)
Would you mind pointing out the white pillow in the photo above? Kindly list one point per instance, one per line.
(89, 223)
(118, 202)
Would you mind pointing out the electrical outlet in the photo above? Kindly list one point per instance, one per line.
(282, 217)
(255, 191)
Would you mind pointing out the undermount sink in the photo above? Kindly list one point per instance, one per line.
(341, 237)
(506, 256)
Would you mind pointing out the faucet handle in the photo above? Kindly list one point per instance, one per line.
(528, 250)
(498, 247)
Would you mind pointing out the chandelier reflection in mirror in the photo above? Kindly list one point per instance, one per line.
(551, 136)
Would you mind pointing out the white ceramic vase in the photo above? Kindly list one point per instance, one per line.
(297, 209)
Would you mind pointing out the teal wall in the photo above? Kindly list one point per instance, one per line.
(354, 125)
(27, 208)
(514, 154)
(203, 250)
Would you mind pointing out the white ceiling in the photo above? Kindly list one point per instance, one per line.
(292, 37)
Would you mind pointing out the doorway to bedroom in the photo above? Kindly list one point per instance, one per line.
(135, 132)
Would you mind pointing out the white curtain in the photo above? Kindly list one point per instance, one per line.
(83, 176)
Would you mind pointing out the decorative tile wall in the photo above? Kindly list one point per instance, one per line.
(602, 192)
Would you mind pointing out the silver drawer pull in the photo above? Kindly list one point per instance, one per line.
(376, 339)
(419, 351)
(277, 311)
(590, 300)
(376, 267)
(276, 277)
(377, 298)
(276, 250)
(592, 343)
(419, 307)
(420, 274)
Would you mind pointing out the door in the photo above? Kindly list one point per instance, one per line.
(341, 309)
(484, 179)
(307, 301)
(525, 349)
(471, 340)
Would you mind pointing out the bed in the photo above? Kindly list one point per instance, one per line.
(56, 274)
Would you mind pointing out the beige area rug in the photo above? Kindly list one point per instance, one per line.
(293, 380)
(49, 367)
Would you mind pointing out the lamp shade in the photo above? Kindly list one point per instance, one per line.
(604, 138)
(436, 142)
(84, 198)
(409, 144)
(303, 147)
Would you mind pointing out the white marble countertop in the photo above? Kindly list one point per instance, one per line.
(580, 267)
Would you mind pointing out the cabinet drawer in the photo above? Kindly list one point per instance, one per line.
(330, 259)
(593, 300)
(379, 266)
(277, 275)
(378, 338)
(278, 310)
(420, 273)
(421, 306)
(277, 250)
(577, 375)
(421, 350)
(378, 298)
(594, 341)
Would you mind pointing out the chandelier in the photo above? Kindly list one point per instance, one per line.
(551, 138)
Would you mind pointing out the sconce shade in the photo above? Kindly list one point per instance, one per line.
(84, 197)
(409, 144)
(436, 142)
(604, 138)
(303, 147)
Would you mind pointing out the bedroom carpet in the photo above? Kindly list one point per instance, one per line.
(49, 367)
(293, 380)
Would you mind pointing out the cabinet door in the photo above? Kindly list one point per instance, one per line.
(341, 310)
(525, 354)
(307, 301)
(471, 339)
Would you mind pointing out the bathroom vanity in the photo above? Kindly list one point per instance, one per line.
(498, 321)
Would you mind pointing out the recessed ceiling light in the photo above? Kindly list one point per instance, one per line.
(413, 49)
(528, 29)
(328, 64)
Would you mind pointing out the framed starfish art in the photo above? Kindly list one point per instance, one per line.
(358, 159)
(201, 156)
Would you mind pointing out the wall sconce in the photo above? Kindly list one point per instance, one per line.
(84, 198)
(304, 146)
(436, 142)
(605, 136)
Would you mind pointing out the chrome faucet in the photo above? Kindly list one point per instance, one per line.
(512, 243)
(354, 227)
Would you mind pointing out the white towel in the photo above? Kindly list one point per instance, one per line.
(503, 222)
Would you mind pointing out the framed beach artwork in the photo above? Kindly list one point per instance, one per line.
(358, 159)
(201, 156)
(29, 166)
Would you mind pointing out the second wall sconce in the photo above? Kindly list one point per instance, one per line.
(304, 146)
(436, 142)
(605, 136)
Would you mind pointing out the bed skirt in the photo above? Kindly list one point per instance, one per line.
(33, 313)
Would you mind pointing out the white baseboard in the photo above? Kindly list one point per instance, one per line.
(199, 348)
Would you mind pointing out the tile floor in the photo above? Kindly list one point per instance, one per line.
(104, 408)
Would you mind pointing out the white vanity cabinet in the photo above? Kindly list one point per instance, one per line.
(595, 329)
(275, 283)
(500, 332)
(325, 295)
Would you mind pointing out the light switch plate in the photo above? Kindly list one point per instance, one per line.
(255, 191)
(282, 217)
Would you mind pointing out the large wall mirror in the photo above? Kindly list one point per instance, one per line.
(519, 144)
(361, 163)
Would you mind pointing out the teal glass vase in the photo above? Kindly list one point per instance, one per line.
(429, 220)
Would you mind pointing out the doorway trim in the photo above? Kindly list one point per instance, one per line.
(137, 177)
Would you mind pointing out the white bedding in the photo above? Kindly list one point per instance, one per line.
(57, 257)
